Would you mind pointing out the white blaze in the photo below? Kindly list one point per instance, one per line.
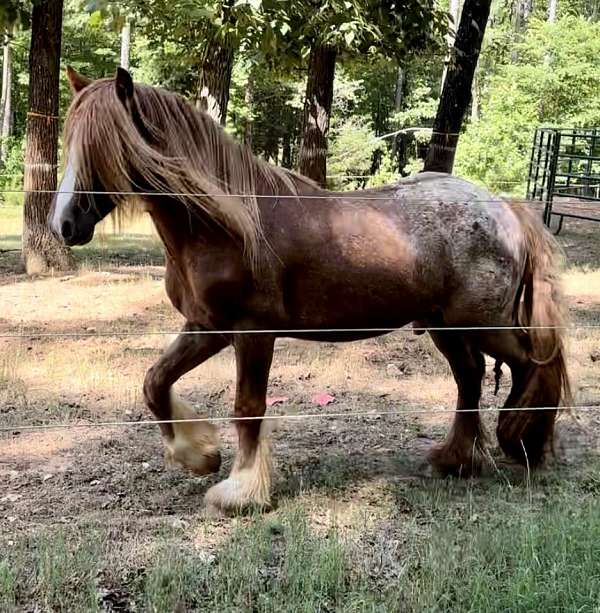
(64, 196)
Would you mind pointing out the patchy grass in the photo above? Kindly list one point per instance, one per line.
(547, 560)
(530, 559)
(8, 584)
(55, 570)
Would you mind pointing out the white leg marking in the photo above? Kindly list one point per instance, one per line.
(249, 484)
(195, 445)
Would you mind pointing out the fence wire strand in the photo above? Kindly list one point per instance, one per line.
(290, 416)
(350, 195)
(294, 331)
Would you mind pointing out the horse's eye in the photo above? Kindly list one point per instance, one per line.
(89, 203)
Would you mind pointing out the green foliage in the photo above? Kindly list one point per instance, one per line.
(92, 49)
(11, 173)
(371, 85)
(555, 82)
(386, 174)
(546, 74)
(361, 27)
(351, 153)
(266, 106)
(13, 13)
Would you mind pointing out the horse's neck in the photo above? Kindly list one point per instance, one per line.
(178, 227)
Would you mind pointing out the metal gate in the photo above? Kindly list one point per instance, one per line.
(564, 173)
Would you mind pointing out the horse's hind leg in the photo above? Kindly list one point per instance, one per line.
(461, 452)
(191, 444)
(526, 436)
(249, 484)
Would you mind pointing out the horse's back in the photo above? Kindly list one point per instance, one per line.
(430, 243)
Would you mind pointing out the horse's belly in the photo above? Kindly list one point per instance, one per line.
(362, 300)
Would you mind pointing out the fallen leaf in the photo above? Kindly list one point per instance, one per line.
(323, 399)
(273, 400)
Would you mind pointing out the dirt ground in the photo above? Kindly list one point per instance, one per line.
(351, 467)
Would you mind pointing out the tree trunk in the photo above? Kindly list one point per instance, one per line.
(398, 104)
(475, 97)
(42, 251)
(400, 83)
(6, 100)
(317, 112)
(249, 102)
(552, 10)
(286, 150)
(215, 78)
(521, 11)
(456, 93)
(125, 44)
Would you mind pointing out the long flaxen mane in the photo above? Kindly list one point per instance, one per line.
(183, 153)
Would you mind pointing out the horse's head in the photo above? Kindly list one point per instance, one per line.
(83, 199)
(148, 148)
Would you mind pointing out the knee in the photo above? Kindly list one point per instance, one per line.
(154, 386)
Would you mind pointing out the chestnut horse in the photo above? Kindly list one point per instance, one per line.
(253, 247)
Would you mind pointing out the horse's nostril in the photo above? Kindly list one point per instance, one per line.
(66, 230)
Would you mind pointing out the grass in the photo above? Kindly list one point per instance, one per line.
(56, 571)
(544, 559)
(8, 585)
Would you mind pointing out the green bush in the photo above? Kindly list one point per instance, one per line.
(351, 151)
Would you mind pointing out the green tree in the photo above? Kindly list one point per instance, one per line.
(12, 14)
(208, 34)
(456, 93)
(533, 92)
(341, 29)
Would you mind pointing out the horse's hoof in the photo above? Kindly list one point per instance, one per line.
(231, 496)
(190, 459)
(449, 463)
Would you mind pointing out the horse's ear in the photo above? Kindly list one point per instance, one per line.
(124, 85)
(77, 81)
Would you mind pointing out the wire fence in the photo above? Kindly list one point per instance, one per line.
(573, 409)
(325, 195)
(291, 331)
(35, 334)
(291, 416)
(355, 195)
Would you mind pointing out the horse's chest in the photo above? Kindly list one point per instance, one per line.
(206, 297)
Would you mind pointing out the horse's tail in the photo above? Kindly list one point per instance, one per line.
(540, 311)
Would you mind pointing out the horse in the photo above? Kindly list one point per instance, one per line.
(254, 247)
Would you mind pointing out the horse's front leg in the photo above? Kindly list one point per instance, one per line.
(194, 445)
(249, 484)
